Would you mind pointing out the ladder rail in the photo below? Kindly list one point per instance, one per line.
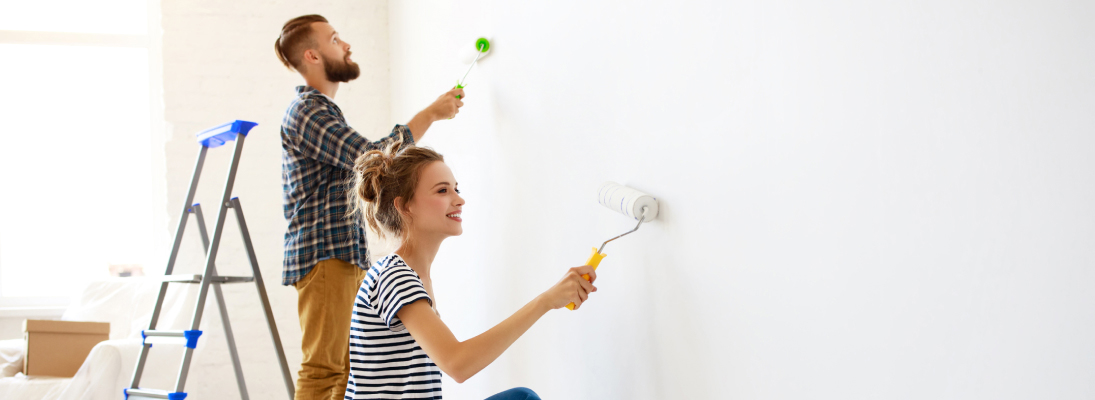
(211, 256)
(253, 259)
(222, 305)
(143, 357)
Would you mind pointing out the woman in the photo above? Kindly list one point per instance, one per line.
(398, 343)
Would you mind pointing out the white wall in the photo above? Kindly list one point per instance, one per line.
(859, 200)
(219, 65)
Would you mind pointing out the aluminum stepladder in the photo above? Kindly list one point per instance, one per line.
(210, 138)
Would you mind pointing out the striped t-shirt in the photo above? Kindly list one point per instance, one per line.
(385, 361)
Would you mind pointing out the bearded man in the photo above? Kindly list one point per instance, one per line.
(326, 254)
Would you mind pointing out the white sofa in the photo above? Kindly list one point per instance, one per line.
(127, 304)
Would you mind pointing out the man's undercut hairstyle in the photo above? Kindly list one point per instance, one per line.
(296, 37)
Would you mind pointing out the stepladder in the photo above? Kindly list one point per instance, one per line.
(209, 139)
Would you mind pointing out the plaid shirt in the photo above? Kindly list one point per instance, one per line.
(318, 153)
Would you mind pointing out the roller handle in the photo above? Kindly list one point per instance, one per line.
(481, 46)
(594, 260)
(458, 86)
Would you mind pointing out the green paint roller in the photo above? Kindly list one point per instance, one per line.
(482, 47)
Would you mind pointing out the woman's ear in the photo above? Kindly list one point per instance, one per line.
(398, 203)
(404, 212)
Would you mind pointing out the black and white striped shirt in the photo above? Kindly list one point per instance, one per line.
(385, 361)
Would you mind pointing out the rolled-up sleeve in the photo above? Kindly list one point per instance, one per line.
(325, 137)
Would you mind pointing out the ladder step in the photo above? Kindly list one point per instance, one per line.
(231, 279)
(142, 394)
(185, 338)
(197, 278)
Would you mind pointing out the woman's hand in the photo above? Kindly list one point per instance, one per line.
(571, 289)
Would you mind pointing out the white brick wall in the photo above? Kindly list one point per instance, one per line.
(219, 65)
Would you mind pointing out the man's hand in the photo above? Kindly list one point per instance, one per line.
(445, 107)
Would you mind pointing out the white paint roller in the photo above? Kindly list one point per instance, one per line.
(627, 201)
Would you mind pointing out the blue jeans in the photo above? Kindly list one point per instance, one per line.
(516, 394)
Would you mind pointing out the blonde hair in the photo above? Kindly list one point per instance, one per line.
(380, 176)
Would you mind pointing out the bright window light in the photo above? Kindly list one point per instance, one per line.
(75, 166)
(99, 16)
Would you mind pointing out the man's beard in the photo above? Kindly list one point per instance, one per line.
(344, 71)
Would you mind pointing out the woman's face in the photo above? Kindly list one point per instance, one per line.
(436, 207)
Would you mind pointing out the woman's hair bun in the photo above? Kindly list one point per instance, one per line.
(372, 168)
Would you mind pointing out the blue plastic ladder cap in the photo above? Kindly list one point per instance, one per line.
(219, 135)
(243, 127)
(170, 396)
(191, 341)
(144, 340)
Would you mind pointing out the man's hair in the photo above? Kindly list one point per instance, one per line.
(296, 36)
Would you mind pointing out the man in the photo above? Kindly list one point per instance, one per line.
(325, 250)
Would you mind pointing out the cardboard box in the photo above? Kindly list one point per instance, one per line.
(58, 348)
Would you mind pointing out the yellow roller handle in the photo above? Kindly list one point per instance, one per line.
(594, 260)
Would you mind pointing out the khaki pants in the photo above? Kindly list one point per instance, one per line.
(325, 301)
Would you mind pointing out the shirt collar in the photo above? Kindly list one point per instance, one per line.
(305, 90)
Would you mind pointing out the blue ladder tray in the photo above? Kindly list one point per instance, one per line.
(219, 135)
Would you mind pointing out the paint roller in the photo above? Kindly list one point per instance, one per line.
(482, 47)
(627, 201)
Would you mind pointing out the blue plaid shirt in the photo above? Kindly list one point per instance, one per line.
(318, 153)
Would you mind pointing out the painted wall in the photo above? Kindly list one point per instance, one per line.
(859, 200)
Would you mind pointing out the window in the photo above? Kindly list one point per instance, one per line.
(81, 119)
